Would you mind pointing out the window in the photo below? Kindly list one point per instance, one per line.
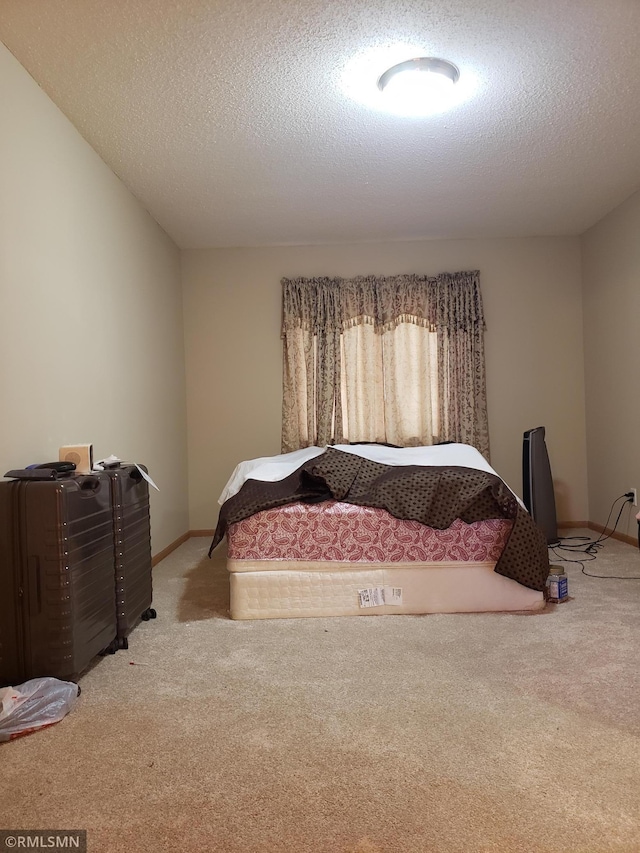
(397, 360)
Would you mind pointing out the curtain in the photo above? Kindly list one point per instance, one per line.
(397, 359)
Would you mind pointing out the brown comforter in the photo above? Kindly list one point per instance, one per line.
(433, 495)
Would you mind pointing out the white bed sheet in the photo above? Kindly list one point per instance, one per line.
(273, 468)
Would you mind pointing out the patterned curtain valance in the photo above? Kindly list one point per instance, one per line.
(355, 363)
(329, 305)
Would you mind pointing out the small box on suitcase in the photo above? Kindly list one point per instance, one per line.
(132, 540)
(57, 607)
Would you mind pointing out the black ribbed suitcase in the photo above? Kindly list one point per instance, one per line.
(11, 668)
(57, 603)
(132, 534)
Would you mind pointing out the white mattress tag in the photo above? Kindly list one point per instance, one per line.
(392, 594)
(377, 596)
(373, 597)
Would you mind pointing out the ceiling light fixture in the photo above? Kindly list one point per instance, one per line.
(419, 85)
(363, 79)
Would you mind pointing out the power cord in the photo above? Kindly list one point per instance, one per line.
(589, 547)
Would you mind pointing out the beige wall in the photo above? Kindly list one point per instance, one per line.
(91, 341)
(611, 275)
(532, 296)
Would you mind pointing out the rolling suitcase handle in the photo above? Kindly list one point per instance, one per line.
(35, 594)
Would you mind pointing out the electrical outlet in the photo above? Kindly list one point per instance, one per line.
(635, 496)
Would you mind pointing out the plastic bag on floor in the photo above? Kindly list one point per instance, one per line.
(33, 705)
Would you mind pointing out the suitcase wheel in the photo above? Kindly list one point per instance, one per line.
(150, 613)
(111, 649)
(123, 643)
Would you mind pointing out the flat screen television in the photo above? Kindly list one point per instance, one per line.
(537, 483)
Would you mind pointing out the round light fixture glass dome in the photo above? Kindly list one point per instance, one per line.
(387, 66)
(419, 86)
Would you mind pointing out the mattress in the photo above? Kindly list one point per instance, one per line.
(340, 559)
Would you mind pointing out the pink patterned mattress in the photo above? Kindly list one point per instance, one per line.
(349, 533)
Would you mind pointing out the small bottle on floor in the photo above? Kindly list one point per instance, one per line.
(557, 585)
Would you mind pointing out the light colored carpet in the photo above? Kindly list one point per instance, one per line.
(468, 733)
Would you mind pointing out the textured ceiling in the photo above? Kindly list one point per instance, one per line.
(228, 119)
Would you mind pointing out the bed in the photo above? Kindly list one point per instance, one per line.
(372, 530)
